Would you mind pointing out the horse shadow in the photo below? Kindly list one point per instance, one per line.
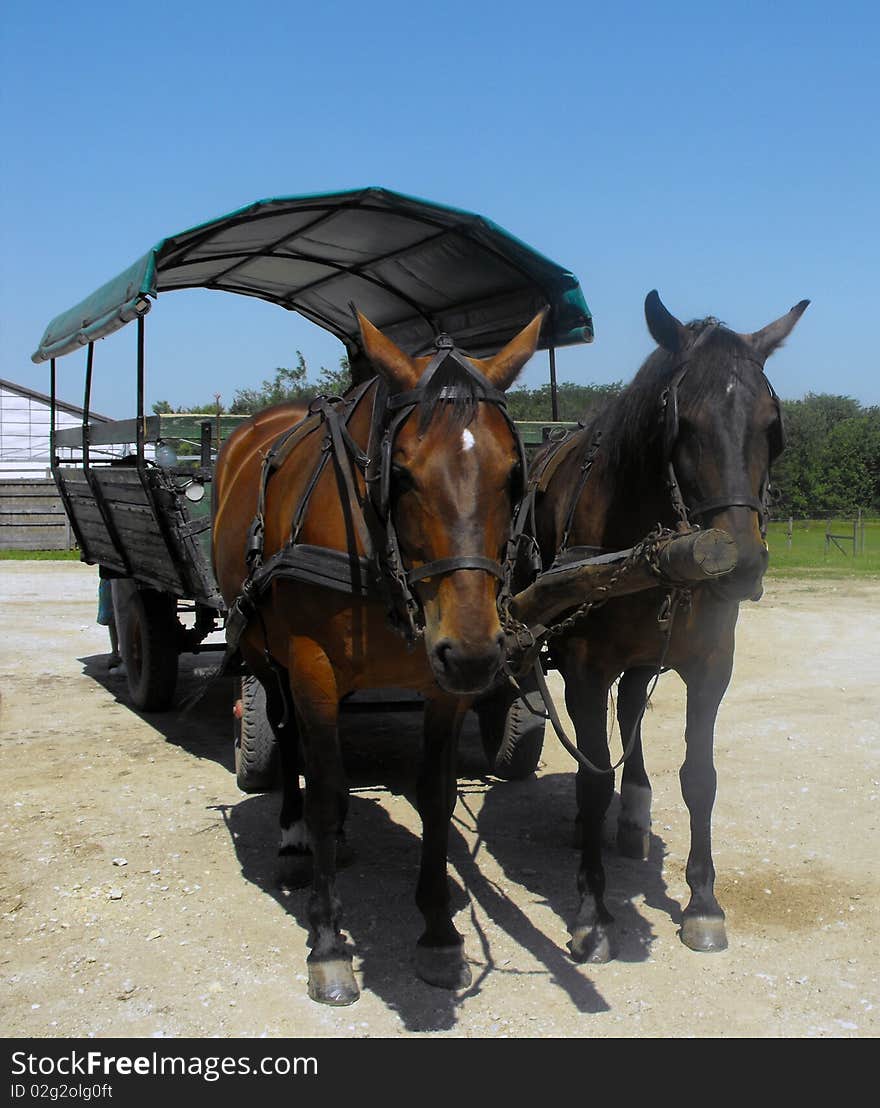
(529, 828)
(517, 822)
(384, 872)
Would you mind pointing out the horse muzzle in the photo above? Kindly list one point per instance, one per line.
(466, 669)
(745, 581)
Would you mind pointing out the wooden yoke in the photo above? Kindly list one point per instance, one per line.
(682, 560)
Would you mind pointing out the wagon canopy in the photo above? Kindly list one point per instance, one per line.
(414, 268)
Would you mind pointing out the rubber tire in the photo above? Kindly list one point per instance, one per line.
(257, 758)
(512, 729)
(149, 649)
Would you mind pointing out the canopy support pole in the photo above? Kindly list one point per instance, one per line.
(554, 398)
(140, 390)
(52, 414)
(92, 477)
(87, 403)
(55, 467)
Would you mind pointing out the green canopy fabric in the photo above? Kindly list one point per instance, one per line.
(414, 268)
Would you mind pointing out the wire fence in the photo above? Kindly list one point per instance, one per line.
(848, 543)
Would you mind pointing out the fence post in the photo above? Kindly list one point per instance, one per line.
(790, 529)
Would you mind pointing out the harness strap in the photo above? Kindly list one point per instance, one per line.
(586, 466)
(729, 500)
(451, 565)
(343, 455)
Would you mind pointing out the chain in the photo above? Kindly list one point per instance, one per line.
(646, 551)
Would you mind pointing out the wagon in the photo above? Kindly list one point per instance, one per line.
(137, 492)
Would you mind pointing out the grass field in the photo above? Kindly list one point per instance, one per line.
(808, 553)
(39, 555)
(804, 555)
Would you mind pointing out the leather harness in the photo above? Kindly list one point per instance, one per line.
(380, 571)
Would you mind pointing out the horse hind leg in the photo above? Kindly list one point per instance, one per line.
(295, 848)
(440, 951)
(634, 820)
(331, 978)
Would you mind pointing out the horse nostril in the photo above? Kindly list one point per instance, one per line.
(442, 651)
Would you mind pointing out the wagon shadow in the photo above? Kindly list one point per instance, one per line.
(205, 730)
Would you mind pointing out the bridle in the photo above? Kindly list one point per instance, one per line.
(734, 498)
(379, 476)
(380, 571)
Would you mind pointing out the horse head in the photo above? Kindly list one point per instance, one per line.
(453, 474)
(722, 430)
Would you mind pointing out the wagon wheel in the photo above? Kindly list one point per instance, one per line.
(512, 729)
(257, 761)
(149, 649)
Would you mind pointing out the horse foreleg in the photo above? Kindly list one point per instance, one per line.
(703, 923)
(440, 953)
(331, 979)
(586, 698)
(634, 821)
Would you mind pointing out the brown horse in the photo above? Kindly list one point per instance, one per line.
(690, 440)
(416, 503)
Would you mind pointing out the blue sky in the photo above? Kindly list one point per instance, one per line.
(726, 154)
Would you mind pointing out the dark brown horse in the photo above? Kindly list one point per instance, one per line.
(416, 500)
(691, 439)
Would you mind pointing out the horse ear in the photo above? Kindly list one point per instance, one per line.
(771, 337)
(503, 368)
(665, 329)
(398, 368)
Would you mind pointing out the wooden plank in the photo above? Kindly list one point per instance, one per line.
(112, 433)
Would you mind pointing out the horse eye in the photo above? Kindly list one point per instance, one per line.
(402, 477)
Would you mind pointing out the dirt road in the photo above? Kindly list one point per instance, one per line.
(138, 890)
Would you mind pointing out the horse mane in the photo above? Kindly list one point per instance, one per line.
(461, 408)
(632, 423)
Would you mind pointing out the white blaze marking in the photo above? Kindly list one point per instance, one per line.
(467, 439)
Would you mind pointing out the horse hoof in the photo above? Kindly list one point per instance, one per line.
(705, 934)
(443, 966)
(591, 945)
(633, 841)
(332, 982)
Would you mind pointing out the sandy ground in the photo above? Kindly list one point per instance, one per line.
(138, 890)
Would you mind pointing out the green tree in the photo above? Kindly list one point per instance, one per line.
(291, 384)
(574, 401)
(831, 461)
